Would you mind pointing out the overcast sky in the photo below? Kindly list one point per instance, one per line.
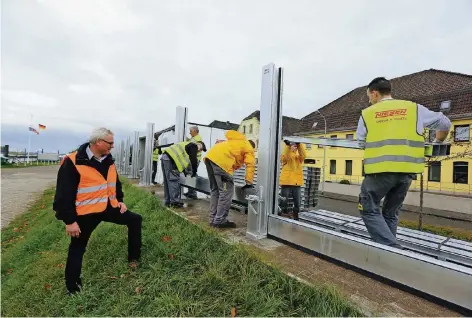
(76, 64)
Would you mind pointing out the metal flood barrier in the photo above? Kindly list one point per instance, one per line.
(308, 191)
(430, 264)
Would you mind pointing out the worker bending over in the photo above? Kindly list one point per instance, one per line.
(88, 191)
(291, 177)
(221, 161)
(194, 137)
(391, 131)
(175, 160)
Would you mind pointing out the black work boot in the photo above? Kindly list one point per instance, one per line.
(225, 225)
(77, 287)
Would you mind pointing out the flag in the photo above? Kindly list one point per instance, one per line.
(42, 127)
(34, 130)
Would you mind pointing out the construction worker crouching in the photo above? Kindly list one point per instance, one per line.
(291, 177)
(194, 137)
(88, 191)
(391, 131)
(175, 160)
(221, 161)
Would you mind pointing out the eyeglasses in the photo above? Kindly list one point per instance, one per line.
(108, 142)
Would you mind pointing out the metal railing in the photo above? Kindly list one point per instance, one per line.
(429, 186)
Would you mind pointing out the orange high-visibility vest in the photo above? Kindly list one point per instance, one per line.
(94, 191)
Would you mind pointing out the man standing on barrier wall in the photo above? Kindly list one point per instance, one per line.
(194, 137)
(221, 161)
(175, 160)
(88, 191)
(291, 177)
(391, 131)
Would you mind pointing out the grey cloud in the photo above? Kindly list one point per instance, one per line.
(122, 63)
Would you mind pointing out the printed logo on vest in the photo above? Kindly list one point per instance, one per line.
(391, 113)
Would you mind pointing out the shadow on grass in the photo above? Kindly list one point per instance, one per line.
(185, 271)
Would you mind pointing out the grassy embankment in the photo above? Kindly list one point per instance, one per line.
(185, 270)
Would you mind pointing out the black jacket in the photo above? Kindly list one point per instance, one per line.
(192, 150)
(68, 179)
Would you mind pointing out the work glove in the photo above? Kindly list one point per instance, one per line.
(194, 175)
(185, 173)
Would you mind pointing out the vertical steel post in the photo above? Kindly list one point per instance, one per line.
(147, 170)
(180, 123)
(134, 158)
(122, 156)
(265, 201)
(127, 154)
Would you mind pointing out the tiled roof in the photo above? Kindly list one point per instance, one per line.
(226, 125)
(429, 88)
(290, 125)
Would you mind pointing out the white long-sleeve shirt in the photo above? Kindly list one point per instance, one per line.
(426, 119)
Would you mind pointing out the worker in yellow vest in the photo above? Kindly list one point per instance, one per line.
(221, 161)
(391, 132)
(194, 137)
(175, 160)
(88, 191)
(291, 177)
(155, 159)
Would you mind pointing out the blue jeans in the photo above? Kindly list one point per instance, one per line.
(382, 225)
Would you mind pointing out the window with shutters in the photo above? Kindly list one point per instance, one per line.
(434, 172)
(348, 167)
(460, 172)
(332, 166)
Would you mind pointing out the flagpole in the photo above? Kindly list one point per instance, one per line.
(29, 138)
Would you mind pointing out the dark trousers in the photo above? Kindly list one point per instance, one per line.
(154, 171)
(382, 225)
(88, 223)
(192, 193)
(294, 193)
(171, 181)
(221, 192)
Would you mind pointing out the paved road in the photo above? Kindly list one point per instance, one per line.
(350, 208)
(21, 186)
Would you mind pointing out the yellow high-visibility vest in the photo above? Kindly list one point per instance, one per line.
(196, 139)
(393, 143)
(155, 154)
(179, 155)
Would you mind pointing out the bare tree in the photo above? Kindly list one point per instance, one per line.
(461, 150)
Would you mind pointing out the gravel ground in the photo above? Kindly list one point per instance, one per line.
(21, 186)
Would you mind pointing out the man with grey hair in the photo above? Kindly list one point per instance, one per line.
(89, 191)
(194, 137)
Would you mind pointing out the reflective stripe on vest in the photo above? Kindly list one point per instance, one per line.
(393, 143)
(179, 155)
(94, 191)
(196, 139)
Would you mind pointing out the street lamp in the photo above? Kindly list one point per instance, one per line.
(324, 151)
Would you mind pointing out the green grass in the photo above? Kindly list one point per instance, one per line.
(447, 231)
(193, 273)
